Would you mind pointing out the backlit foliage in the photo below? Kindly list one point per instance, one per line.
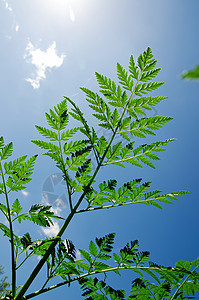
(122, 109)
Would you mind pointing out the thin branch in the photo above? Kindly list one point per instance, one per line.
(116, 205)
(125, 159)
(176, 292)
(11, 236)
(64, 171)
(32, 295)
(29, 255)
(32, 252)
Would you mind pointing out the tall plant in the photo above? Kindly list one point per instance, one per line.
(120, 109)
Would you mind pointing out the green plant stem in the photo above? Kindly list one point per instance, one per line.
(29, 255)
(64, 171)
(144, 201)
(73, 211)
(63, 228)
(45, 283)
(126, 159)
(176, 292)
(52, 272)
(32, 295)
(19, 216)
(52, 246)
(32, 252)
(11, 236)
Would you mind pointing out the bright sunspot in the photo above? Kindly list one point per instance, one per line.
(59, 8)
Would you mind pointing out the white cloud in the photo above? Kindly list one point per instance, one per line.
(71, 13)
(51, 231)
(78, 255)
(24, 193)
(42, 60)
(58, 206)
(17, 28)
(57, 209)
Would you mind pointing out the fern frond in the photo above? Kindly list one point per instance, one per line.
(72, 147)
(119, 155)
(143, 126)
(147, 87)
(46, 145)
(65, 135)
(52, 120)
(21, 175)
(47, 133)
(146, 76)
(133, 69)
(111, 91)
(1, 142)
(6, 151)
(78, 115)
(132, 192)
(11, 165)
(124, 79)
(41, 215)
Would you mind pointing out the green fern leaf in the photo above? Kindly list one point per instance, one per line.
(4, 209)
(133, 69)
(5, 230)
(146, 76)
(21, 175)
(146, 161)
(101, 145)
(6, 151)
(115, 118)
(89, 94)
(58, 119)
(46, 145)
(47, 133)
(86, 256)
(103, 256)
(147, 87)
(12, 165)
(144, 126)
(72, 147)
(42, 215)
(52, 120)
(100, 266)
(16, 207)
(105, 243)
(124, 79)
(117, 258)
(93, 249)
(65, 135)
(1, 142)
(143, 103)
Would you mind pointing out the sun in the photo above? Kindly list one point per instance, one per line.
(59, 8)
(63, 10)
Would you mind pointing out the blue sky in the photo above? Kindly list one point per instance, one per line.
(49, 49)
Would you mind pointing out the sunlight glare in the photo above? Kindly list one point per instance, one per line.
(59, 8)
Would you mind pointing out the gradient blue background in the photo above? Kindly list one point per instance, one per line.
(103, 33)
